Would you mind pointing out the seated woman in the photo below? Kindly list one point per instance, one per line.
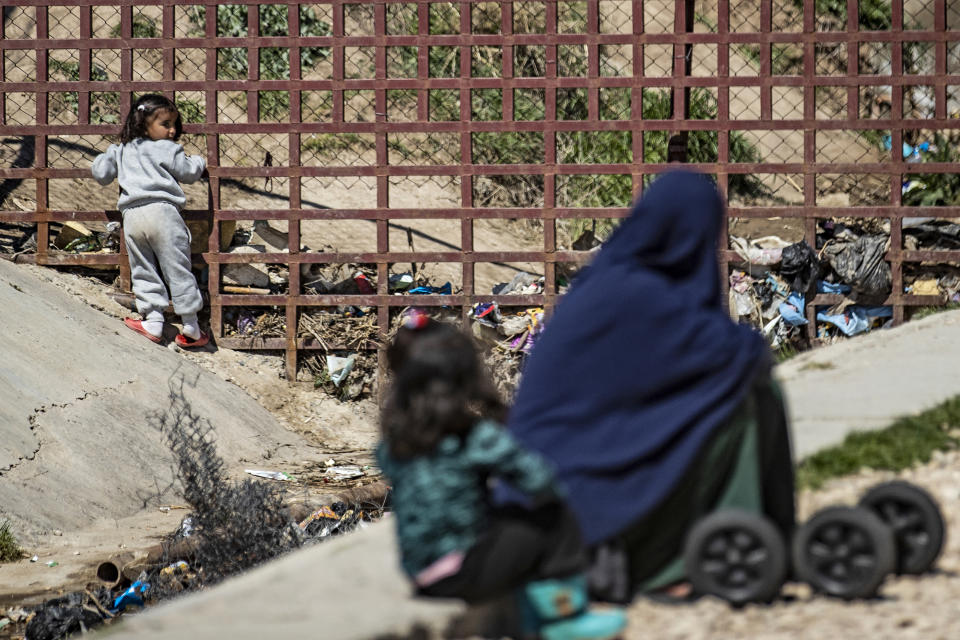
(653, 405)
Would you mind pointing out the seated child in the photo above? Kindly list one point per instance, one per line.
(442, 443)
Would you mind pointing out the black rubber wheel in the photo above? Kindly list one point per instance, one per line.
(844, 552)
(916, 521)
(738, 556)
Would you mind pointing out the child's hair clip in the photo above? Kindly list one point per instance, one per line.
(141, 107)
(415, 319)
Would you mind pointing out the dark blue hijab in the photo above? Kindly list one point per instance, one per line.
(640, 363)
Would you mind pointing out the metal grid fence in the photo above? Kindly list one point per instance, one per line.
(491, 133)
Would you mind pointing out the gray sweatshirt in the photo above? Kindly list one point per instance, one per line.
(148, 171)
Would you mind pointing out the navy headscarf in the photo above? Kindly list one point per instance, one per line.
(640, 363)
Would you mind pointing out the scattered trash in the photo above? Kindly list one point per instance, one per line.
(18, 615)
(855, 319)
(78, 238)
(830, 287)
(399, 282)
(930, 234)
(52, 563)
(132, 596)
(486, 313)
(260, 323)
(34, 558)
(509, 336)
(927, 287)
(324, 513)
(910, 152)
(858, 259)
(245, 323)
(270, 475)
(764, 251)
(364, 285)
(522, 284)
(177, 567)
(347, 472)
(75, 612)
(445, 290)
(799, 266)
(792, 310)
(4, 622)
(337, 518)
(339, 368)
(251, 274)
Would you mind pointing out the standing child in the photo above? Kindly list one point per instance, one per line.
(149, 165)
(442, 443)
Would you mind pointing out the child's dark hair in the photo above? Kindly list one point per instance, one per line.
(439, 388)
(145, 106)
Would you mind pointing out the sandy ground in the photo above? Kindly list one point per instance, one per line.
(908, 607)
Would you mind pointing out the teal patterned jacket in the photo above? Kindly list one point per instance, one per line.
(441, 500)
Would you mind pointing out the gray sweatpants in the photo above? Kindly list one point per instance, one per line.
(158, 243)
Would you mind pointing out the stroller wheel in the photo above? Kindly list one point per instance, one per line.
(844, 552)
(916, 521)
(737, 556)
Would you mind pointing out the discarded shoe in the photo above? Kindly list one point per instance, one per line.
(137, 325)
(189, 343)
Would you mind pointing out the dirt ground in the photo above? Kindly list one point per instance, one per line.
(907, 608)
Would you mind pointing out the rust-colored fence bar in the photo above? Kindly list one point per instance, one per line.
(487, 135)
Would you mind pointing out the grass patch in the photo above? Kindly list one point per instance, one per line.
(785, 352)
(923, 312)
(906, 442)
(9, 547)
(817, 366)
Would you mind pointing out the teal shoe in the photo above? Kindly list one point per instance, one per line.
(557, 609)
(589, 625)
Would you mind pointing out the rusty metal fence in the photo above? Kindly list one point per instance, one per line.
(471, 140)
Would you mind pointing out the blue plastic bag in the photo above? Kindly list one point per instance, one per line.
(132, 596)
(792, 309)
(855, 319)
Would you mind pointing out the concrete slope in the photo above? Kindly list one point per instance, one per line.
(867, 382)
(76, 392)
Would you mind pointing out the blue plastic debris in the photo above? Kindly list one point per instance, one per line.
(486, 313)
(132, 596)
(911, 152)
(445, 290)
(792, 309)
(832, 287)
(855, 319)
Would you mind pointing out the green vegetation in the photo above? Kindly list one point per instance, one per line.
(330, 143)
(785, 352)
(906, 442)
(104, 106)
(923, 312)
(141, 28)
(9, 547)
(191, 111)
(274, 61)
(935, 189)
(875, 15)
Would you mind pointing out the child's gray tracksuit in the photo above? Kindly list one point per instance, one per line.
(157, 238)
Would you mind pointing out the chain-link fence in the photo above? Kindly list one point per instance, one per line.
(361, 151)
